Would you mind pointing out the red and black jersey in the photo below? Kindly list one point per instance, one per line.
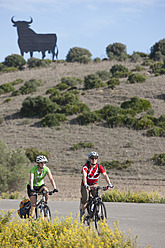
(92, 173)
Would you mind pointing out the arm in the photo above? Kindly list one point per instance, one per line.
(31, 180)
(106, 177)
(84, 177)
(51, 180)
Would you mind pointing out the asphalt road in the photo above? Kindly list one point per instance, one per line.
(145, 220)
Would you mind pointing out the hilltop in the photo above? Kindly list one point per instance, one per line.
(120, 143)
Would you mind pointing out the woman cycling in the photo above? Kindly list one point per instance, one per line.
(36, 181)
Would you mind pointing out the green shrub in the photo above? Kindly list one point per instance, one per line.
(82, 145)
(33, 152)
(103, 75)
(134, 197)
(29, 87)
(53, 91)
(71, 81)
(6, 88)
(12, 162)
(15, 60)
(111, 111)
(115, 50)
(156, 67)
(65, 98)
(92, 81)
(156, 131)
(1, 119)
(135, 57)
(97, 60)
(70, 109)
(137, 104)
(84, 59)
(159, 159)
(17, 81)
(7, 100)
(61, 86)
(119, 70)
(115, 164)
(113, 82)
(88, 117)
(9, 69)
(158, 50)
(144, 123)
(51, 120)
(148, 62)
(34, 62)
(75, 54)
(38, 106)
(136, 78)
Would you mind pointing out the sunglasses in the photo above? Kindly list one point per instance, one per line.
(94, 158)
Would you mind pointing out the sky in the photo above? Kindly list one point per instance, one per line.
(89, 24)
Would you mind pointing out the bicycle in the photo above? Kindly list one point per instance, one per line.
(42, 208)
(96, 210)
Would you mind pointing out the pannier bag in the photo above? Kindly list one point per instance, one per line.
(24, 209)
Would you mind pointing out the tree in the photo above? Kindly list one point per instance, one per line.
(158, 50)
(14, 60)
(116, 50)
(76, 54)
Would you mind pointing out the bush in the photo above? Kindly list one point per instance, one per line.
(9, 69)
(29, 87)
(15, 60)
(70, 109)
(137, 104)
(156, 67)
(158, 48)
(65, 98)
(84, 59)
(71, 81)
(156, 131)
(82, 145)
(12, 162)
(33, 152)
(75, 54)
(159, 159)
(144, 123)
(97, 60)
(113, 82)
(88, 117)
(134, 197)
(119, 71)
(38, 106)
(92, 81)
(34, 62)
(135, 57)
(6, 88)
(115, 50)
(51, 120)
(103, 75)
(136, 78)
(64, 233)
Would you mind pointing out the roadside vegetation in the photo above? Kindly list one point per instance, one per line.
(60, 233)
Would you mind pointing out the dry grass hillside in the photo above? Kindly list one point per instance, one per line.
(111, 143)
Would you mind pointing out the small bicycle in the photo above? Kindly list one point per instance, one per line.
(96, 210)
(42, 208)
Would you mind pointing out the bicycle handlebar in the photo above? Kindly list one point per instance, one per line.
(44, 192)
(98, 187)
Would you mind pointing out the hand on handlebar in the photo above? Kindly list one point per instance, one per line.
(55, 190)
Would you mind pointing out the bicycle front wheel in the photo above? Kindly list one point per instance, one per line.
(45, 213)
(100, 214)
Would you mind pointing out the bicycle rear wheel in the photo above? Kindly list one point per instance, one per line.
(45, 213)
(100, 214)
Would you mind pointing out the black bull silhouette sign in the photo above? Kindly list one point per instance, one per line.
(29, 41)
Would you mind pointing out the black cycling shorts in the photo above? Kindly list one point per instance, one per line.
(36, 188)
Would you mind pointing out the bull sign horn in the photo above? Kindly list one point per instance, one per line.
(12, 19)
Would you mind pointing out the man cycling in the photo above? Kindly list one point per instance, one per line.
(36, 181)
(90, 175)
